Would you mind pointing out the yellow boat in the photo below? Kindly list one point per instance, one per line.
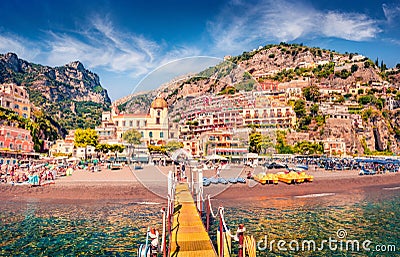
(290, 178)
(264, 178)
(285, 178)
(297, 178)
(306, 177)
(271, 178)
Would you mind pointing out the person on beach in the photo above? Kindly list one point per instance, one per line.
(183, 171)
(219, 171)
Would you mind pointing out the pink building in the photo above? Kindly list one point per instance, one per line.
(15, 139)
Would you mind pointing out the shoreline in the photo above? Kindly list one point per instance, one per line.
(86, 187)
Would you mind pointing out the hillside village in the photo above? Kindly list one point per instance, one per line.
(345, 102)
(278, 99)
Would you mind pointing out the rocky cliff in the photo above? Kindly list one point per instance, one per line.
(283, 62)
(71, 94)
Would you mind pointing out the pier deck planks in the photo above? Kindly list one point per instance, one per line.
(189, 237)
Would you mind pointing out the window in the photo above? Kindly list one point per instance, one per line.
(150, 134)
(11, 146)
(158, 113)
(25, 115)
(123, 124)
(157, 120)
(137, 123)
(161, 134)
(19, 147)
(141, 133)
(1, 144)
(16, 106)
(116, 123)
(130, 123)
(25, 108)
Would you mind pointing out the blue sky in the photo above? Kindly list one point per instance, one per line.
(125, 41)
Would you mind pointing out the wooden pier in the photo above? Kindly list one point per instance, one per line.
(189, 237)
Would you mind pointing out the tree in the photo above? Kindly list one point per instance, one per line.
(354, 68)
(265, 145)
(255, 139)
(340, 99)
(85, 137)
(379, 103)
(173, 145)
(307, 147)
(281, 146)
(117, 148)
(132, 137)
(314, 109)
(300, 108)
(102, 148)
(311, 93)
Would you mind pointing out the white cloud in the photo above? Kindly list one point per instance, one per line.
(16, 44)
(270, 20)
(102, 45)
(350, 26)
(391, 12)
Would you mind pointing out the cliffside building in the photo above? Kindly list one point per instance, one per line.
(153, 125)
(15, 139)
(15, 98)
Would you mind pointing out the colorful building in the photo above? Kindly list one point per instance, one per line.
(15, 98)
(153, 126)
(15, 139)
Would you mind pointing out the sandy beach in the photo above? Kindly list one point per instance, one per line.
(124, 185)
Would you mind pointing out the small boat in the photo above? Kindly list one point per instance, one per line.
(266, 178)
(260, 177)
(206, 182)
(306, 177)
(214, 180)
(287, 178)
(241, 180)
(232, 180)
(272, 178)
(304, 167)
(367, 172)
(222, 181)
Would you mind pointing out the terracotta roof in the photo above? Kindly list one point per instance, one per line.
(159, 103)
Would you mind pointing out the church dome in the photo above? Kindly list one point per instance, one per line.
(159, 103)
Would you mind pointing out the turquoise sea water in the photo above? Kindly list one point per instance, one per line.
(36, 228)
(343, 218)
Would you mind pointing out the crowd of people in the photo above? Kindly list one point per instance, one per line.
(34, 174)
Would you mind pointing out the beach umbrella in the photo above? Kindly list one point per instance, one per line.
(216, 157)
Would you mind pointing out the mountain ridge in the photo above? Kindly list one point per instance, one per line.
(71, 94)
